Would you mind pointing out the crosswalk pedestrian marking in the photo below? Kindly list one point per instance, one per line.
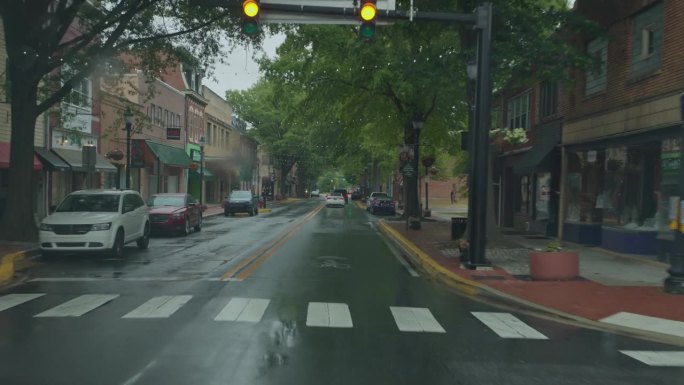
(159, 307)
(78, 306)
(12, 300)
(507, 325)
(642, 322)
(243, 310)
(656, 358)
(415, 319)
(328, 314)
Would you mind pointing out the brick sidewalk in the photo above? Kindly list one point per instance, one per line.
(585, 299)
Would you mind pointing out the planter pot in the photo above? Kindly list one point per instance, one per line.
(554, 266)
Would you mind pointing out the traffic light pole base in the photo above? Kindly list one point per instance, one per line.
(487, 266)
(674, 283)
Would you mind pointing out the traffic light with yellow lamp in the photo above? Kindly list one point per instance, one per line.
(251, 10)
(367, 12)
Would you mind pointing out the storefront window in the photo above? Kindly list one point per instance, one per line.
(522, 201)
(543, 195)
(632, 186)
(584, 183)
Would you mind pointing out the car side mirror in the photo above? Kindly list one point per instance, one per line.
(128, 208)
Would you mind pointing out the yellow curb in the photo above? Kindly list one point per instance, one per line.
(430, 266)
(264, 211)
(7, 265)
(477, 289)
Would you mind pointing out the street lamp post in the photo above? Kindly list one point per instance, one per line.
(202, 143)
(128, 118)
(674, 283)
(415, 204)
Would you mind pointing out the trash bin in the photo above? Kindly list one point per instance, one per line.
(458, 227)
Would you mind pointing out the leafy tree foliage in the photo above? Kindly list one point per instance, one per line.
(52, 45)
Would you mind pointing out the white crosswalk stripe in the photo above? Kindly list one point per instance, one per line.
(331, 315)
(642, 322)
(507, 325)
(415, 319)
(159, 307)
(243, 310)
(11, 300)
(78, 306)
(656, 358)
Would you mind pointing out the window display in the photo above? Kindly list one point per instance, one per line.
(632, 186)
(584, 181)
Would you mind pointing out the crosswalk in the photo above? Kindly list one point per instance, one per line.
(318, 315)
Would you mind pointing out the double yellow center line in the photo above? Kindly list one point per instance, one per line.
(251, 263)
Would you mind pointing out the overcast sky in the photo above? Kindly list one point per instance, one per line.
(240, 71)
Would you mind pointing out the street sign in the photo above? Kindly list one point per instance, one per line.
(408, 170)
(173, 133)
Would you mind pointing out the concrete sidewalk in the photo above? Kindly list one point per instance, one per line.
(615, 292)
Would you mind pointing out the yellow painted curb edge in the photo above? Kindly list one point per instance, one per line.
(430, 266)
(264, 211)
(7, 263)
(474, 288)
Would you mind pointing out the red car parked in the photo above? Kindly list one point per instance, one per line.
(175, 212)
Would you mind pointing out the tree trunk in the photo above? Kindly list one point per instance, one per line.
(18, 223)
(412, 206)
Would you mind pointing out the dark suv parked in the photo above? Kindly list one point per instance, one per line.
(241, 201)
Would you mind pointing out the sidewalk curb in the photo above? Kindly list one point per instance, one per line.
(8, 263)
(475, 289)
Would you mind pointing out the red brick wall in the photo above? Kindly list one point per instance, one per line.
(621, 89)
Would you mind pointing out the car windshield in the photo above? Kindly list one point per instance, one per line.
(166, 200)
(241, 195)
(380, 195)
(107, 203)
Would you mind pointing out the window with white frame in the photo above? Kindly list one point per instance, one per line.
(597, 77)
(80, 95)
(647, 40)
(519, 112)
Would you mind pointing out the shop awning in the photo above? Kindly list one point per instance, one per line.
(546, 138)
(75, 159)
(51, 161)
(208, 175)
(169, 155)
(5, 157)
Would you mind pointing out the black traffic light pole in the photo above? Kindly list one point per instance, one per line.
(478, 177)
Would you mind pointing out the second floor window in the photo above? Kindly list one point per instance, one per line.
(596, 78)
(80, 94)
(647, 40)
(519, 112)
(548, 99)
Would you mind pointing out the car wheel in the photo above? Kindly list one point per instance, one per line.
(198, 227)
(186, 227)
(371, 211)
(144, 241)
(117, 248)
(251, 212)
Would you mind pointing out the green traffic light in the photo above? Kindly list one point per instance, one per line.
(367, 30)
(250, 27)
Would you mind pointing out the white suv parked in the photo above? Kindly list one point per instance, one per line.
(96, 220)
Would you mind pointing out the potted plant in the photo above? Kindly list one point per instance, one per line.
(554, 264)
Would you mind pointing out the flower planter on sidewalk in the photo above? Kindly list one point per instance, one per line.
(554, 265)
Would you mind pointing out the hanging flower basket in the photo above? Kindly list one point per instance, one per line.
(115, 155)
(193, 166)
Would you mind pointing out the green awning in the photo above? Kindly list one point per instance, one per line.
(546, 138)
(173, 156)
(207, 174)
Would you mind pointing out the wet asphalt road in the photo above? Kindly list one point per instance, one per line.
(296, 259)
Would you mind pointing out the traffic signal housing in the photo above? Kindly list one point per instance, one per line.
(367, 12)
(251, 9)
